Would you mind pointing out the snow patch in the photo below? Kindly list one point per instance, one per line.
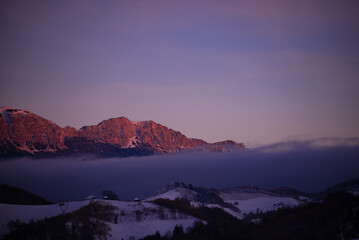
(132, 142)
(137, 123)
(263, 204)
(171, 195)
(227, 210)
(139, 219)
(178, 192)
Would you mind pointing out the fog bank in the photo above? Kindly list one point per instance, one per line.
(309, 170)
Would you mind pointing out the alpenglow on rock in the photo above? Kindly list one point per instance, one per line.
(26, 134)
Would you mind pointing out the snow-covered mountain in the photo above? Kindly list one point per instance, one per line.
(23, 133)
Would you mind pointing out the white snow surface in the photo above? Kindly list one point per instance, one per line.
(178, 192)
(132, 142)
(130, 226)
(238, 214)
(252, 205)
(171, 195)
(244, 192)
(264, 203)
(137, 122)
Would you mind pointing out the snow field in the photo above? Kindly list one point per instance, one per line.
(263, 204)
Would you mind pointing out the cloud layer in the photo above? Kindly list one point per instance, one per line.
(302, 167)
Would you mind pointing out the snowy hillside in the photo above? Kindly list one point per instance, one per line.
(264, 204)
(253, 199)
(236, 201)
(135, 219)
(172, 194)
(139, 219)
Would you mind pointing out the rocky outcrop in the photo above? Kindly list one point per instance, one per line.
(160, 137)
(26, 134)
(29, 132)
(115, 131)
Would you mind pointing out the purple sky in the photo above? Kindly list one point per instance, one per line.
(252, 71)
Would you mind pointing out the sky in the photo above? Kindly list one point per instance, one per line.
(256, 72)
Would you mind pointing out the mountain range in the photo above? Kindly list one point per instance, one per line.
(23, 133)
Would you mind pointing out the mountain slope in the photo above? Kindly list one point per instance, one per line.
(26, 134)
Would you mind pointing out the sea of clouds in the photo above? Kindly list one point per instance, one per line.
(308, 166)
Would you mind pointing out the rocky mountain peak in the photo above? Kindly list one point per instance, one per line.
(23, 132)
(26, 131)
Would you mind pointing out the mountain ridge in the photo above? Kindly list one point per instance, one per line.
(24, 133)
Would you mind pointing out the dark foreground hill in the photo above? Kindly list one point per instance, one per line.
(14, 195)
(351, 186)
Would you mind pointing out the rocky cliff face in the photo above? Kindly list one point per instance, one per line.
(115, 131)
(25, 133)
(161, 137)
